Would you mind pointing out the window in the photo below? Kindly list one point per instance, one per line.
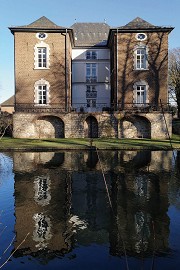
(41, 55)
(141, 36)
(91, 55)
(91, 73)
(91, 103)
(140, 58)
(41, 92)
(41, 35)
(140, 96)
(91, 91)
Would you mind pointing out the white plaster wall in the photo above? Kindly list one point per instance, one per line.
(79, 96)
(79, 78)
(79, 71)
(79, 54)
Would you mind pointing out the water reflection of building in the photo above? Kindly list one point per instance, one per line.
(90, 205)
(61, 196)
(42, 204)
(140, 201)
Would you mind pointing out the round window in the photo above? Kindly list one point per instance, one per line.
(41, 35)
(141, 36)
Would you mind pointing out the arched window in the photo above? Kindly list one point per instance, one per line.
(41, 92)
(41, 55)
(140, 57)
(140, 93)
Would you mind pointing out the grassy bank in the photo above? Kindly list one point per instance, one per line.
(7, 144)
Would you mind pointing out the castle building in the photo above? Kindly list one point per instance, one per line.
(91, 80)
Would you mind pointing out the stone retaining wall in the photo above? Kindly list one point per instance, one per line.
(74, 125)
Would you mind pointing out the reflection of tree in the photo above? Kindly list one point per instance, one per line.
(174, 186)
(78, 196)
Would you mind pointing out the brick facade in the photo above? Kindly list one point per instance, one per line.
(55, 116)
(123, 60)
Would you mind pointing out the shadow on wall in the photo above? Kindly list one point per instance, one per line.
(134, 126)
(91, 127)
(157, 62)
(49, 127)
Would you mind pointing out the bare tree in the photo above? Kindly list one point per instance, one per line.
(5, 124)
(174, 76)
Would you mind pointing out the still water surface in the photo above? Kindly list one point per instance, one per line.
(71, 217)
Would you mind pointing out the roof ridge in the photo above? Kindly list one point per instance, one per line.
(41, 20)
(138, 23)
(86, 23)
(41, 23)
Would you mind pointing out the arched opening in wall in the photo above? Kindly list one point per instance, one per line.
(135, 126)
(91, 127)
(49, 127)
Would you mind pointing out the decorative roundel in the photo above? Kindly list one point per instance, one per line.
(141, 36)
(41, 35)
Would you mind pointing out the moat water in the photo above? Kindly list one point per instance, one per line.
(88, 210)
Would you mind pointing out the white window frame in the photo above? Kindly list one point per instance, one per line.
(91, 72)
(43, 46)
(38, 86)
(140, 87)
(140, 58)
(141, 36)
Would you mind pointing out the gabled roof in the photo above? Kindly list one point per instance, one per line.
(9, 102)
(90, 34)
(42, 23)
(138, 23)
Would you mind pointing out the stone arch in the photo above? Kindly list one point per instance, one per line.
(135, 126)
(49, 127)
(91, 127)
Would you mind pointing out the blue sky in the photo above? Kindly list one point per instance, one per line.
(64, 13)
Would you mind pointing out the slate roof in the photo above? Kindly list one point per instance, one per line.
(9, 102)
(90, 34)
(138, 23)
(41, 23)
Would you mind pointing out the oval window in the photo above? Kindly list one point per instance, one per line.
(141, 36)
(41, 35)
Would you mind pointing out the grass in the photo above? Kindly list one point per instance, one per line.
(7, 144)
